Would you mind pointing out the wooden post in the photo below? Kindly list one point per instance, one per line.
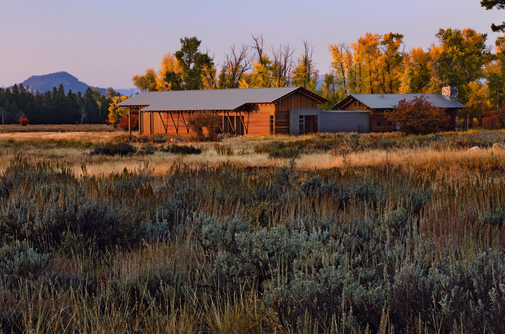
(140, 121)
(129, 120)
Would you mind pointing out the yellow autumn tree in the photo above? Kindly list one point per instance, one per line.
(366, 53)
(390, 66)
(478, 101)
(115, 112)
(418, 72)
(147, 81)
(167, 64)
(344, 69)
(262, 69)
(209, 78)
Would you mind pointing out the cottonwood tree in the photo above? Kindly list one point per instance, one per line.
(495, 75)
(461, 57)
(115, 112)
(168, 64)
(305, 74)
(147, 81)
(418, 72)
(366, 53)
(390, 63)
(282, 65)
(261, 75)
(235, 65)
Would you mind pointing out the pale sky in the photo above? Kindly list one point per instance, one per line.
(105, 42)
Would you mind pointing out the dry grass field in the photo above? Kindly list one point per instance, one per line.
(326, 233)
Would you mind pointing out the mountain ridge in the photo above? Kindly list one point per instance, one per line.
(46, 82)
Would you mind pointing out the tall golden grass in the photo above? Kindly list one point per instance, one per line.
(410, 235)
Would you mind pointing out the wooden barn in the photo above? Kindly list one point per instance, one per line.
(378, 104)
(251, 111)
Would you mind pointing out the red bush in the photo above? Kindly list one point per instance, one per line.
(418, 116)
(23, 121)
(123, 123)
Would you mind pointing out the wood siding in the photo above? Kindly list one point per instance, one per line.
(256, 119)
(359, 106)
(259, 119)
(379, 122)
(297, 100)
(254, 122)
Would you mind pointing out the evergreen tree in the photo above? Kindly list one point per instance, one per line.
(195, 66)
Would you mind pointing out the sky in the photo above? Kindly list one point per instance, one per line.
(105, 42)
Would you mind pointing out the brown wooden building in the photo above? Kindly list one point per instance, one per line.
(491, 119)
(378, 104)
(251, 111)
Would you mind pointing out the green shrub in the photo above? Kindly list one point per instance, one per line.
(181, 149)
(121, 149)
(19, 260)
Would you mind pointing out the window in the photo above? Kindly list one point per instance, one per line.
(355, 103)
(379, 123)
(301, 125)
(271, 124)
(390, 123)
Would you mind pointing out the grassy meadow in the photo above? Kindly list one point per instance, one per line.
(104, 232)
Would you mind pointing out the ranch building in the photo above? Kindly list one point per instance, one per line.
(251, 111)
(375, 105)
(273, 111)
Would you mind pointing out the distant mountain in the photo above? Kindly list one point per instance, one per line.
(46, 82)
(128, 91)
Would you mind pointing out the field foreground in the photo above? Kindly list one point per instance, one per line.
(315, 234)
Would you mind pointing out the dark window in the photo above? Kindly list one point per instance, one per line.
(390, 123)
(355, 103)
(271, 124)
(379, 123)
(301, 126)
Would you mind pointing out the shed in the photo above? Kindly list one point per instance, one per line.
(378, 104)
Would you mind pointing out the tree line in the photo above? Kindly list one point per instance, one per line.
(54, 107)
(374, 64)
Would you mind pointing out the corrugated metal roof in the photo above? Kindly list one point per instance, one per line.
(215, 99)
(142, 99)
(344, 111)
(387, 101)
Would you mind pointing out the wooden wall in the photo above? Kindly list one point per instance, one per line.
(256, 118)
(281, 118)
(451, 124)
(257, 121)
(377, 117)
(359, 106)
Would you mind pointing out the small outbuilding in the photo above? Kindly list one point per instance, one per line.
(491, 119)
(378, 104)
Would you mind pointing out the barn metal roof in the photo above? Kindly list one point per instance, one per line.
(388, 101)
(142, 99)
(345, 111)
(215, 99)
